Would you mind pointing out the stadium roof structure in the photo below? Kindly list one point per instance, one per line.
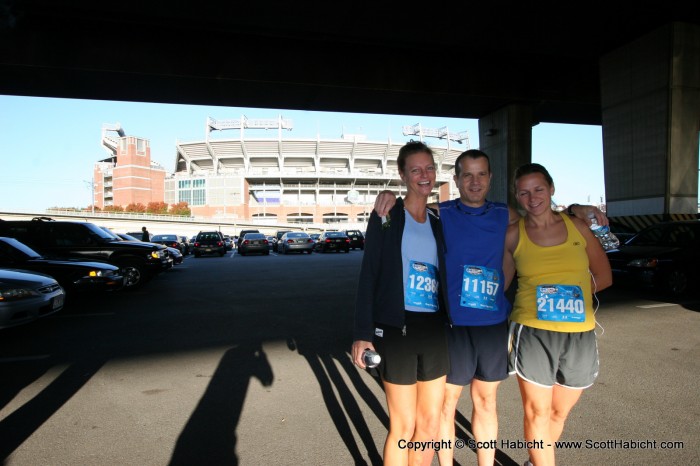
(301, 158)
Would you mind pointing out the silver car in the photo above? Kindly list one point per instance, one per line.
(27, 296)
(295, 241)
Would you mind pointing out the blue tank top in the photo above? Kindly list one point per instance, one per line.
(474, 259)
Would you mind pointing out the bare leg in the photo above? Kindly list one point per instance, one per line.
(537, 405)
(401, 402)
(485, 419)
(428, 407)
(447, 423)
(563, 400)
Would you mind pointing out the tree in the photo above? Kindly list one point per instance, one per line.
(157, 208)
(113, 208)
(181, 208)
(135, 207)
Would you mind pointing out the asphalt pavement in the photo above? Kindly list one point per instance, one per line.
(244, 360)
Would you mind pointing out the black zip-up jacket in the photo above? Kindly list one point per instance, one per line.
(380, 293)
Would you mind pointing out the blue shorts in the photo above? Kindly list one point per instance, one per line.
(477, 352)
(418, 356)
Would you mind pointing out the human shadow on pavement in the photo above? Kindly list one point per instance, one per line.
(210, 432)
(18, 426)
(463, 430)
(324, 364)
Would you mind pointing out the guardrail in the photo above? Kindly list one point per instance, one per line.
(133, 221)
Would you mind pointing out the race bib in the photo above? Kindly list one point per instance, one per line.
(479, 287)
(422, 286)
(560, 303)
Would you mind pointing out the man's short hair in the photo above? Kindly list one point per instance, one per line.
(470, 154)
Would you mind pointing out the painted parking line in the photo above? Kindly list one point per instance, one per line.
(650, 306)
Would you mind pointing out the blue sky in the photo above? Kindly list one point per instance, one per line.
(48, 146)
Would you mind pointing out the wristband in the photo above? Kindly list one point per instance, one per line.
(568, 209)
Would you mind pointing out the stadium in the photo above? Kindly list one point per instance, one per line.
(278, 180)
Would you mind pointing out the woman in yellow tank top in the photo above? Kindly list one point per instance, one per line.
(560, 265)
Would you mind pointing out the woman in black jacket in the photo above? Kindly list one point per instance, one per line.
(401, 310)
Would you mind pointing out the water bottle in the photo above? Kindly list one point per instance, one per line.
(371, 358)
(607, 239)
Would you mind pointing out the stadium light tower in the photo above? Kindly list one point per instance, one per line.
(244, 122)
(440, 133)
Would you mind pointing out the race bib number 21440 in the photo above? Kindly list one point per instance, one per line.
(560, 303)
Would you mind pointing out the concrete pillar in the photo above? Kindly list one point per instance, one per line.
(650, 96)
(506, 137)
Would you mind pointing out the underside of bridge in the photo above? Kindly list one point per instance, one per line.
(511, 69)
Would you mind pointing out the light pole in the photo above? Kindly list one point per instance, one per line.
(91, 185)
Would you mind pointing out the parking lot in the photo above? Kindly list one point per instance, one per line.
(244, 359)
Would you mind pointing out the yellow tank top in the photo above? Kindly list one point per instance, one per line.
(554, 283)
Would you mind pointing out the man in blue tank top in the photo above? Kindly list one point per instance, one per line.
(474, 230)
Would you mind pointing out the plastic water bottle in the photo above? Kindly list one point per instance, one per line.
(607, 239)
(371, 358)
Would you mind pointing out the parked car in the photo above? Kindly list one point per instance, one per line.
(280, 233)
(622, 231)
(243, 233)
(73, 275)
(172, 241)
(86, 241)
(254, 242)
(665, 256)
(209, 242)
(314, 236)
(228, 243)
(295, 241)
(171, 253)
(27, 296)
(332, 241)
(357, 239)
(272, 242)
(176, 255)
(188, 245)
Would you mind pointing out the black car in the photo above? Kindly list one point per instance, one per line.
(86, 241)
(621, 231)
(332, 241)
(209, 242)
(254, 242)
(72, 274)
(187, 245)
(357, 239)
(665, 256)
(174, 255)
(171, 253)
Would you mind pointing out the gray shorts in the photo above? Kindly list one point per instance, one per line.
(545, 358)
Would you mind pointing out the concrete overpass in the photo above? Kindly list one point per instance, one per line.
(633, 70)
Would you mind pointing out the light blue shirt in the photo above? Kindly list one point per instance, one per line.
(420, 266)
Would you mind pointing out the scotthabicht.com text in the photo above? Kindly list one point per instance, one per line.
(588, 444)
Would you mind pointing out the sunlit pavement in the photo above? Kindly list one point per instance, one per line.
(243, 359)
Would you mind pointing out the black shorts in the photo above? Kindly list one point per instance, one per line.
(477, 352)
(419, 355)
